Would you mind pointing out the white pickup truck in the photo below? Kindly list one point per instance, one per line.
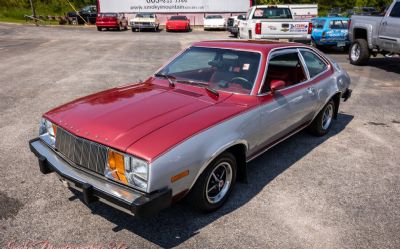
(289, 22)
(371, 35)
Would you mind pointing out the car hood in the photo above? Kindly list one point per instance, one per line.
(143, 19)
(121, 117)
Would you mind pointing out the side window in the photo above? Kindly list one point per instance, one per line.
(314, 64)
(345, 24)
(396, 10)
(286, 67)
(337, 24)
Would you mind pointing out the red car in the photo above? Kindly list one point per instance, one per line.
(190, 129)
(111, 21)
(178, 23)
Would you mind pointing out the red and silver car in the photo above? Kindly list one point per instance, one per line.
(192, 127)
(178, 23)
(111, 21)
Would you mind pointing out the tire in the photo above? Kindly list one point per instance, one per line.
(99, 29)
(322, 123)
(133, 30)
(314, 44)
(119, 27)
(359, 52)
(208, 195)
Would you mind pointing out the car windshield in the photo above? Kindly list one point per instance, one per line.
(272, 13)
(214, 17)
(145, 15)
(318, 24)
(178, 18)
(220, 69)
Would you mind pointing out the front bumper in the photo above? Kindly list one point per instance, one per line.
(347, 94)
(233, 29)
(143, 26)
(96, 188)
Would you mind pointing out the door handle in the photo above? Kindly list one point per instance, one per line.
(311, 90)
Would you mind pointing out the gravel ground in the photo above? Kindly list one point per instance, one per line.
(339, 191)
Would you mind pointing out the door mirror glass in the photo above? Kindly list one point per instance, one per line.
(277, 85)
(242, 17)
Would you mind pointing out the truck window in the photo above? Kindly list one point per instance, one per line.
(396, 10)
(272, 13)
(337, 24)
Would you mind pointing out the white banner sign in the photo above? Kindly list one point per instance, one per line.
(174, 6)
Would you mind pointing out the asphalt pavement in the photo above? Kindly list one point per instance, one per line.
(337, 191)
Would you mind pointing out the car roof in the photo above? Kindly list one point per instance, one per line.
(252, 45)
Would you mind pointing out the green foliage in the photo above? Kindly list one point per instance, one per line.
(16, 9)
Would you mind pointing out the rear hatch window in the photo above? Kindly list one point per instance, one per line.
(272, 13)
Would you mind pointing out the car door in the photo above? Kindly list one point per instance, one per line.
(389, 34)
(290, 108)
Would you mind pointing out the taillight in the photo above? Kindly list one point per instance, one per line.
(258, 28)
(309, 28)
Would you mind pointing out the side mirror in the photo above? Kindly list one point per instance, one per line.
(277, 85)
(241, 17)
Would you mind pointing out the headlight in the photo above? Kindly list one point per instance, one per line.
(48, 132)
(127, 169)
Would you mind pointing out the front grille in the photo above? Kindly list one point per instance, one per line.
(142, 23)
(230, 22)
(82, 152)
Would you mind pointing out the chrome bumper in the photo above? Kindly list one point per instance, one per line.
(95, 188)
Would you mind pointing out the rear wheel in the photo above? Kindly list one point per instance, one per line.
(323, 121)
(359, 52)
(215, 184)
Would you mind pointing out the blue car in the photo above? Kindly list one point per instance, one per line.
(330, 31)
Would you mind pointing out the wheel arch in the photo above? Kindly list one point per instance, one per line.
(239, 151)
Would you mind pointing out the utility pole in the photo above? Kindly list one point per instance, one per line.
(33, 12)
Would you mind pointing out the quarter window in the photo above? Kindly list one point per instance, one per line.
(396, 10)
(314, 64)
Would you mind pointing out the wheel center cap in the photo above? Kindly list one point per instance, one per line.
(221, 183)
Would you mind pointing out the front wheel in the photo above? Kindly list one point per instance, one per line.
(322, 123)
(359, 52)
(215, 184)
(99, 28)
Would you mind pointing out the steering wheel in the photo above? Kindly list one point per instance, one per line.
(242, 81)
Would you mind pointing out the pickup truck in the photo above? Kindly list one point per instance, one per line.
(274, 22)
(87, 14)
(372, 35)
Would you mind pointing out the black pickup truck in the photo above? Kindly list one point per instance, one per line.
(87, 14)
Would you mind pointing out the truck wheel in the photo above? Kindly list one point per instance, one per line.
(359, 52)
(215, 184)
(322, 123)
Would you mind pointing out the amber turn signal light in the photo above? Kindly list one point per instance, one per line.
(116, 165)
(180, 176)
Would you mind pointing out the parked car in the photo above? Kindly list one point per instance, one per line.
(87, 14)
(330, 31)
(214, 22)
(274, 22)
(232, 24)
(111, 21)
(372, 35)
(143, 21)
(178, 23)
(190, 129)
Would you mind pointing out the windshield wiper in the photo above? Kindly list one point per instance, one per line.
(200, 84)
(170, 78)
